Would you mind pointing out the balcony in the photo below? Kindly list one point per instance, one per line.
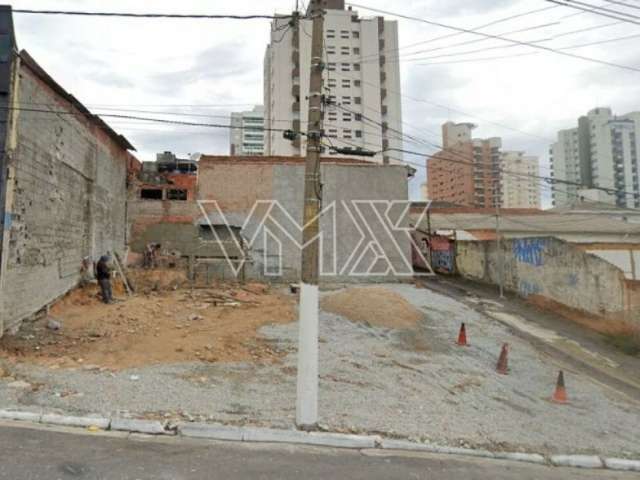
(295, 57)
(383, 77)
(295, 90)
(295, 107)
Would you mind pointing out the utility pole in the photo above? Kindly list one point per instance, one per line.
(307, 385)
(499, 255)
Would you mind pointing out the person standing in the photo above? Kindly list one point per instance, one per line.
(103, 274)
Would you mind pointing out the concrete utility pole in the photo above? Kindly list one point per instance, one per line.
(499, 256)
(307, 389)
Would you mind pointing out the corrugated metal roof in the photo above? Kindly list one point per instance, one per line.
(546, 224)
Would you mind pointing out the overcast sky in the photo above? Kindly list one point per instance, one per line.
(211, 67)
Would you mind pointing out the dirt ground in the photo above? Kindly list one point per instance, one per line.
(165, 325)
(375, 306)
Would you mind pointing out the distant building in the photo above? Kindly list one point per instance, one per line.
(600, 153)
(465, 172)
(519, 187)
(362, 79)
(247, 134)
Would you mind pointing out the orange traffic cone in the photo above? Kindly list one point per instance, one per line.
(462, 336)
(560, 395)
(503, 361)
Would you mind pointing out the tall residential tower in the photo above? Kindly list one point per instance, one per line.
(247, 136)
(598, 160)
(361, 80)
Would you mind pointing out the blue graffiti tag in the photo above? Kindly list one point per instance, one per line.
(528, 288)
(529, 250)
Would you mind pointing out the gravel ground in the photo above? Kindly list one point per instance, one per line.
(415, 384)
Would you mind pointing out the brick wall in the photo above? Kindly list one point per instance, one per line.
(69, 199)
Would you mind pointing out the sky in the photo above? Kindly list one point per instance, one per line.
(201, 70)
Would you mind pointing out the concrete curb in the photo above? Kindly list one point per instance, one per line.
(151, 427)
(622, 464)
(324, 439)
(70, 421)
(577, 461)
(271, 435)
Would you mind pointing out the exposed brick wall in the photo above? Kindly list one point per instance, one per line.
(69, 202)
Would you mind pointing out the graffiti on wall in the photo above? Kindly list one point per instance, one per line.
(528, 288)
(442, 261)
(529, 250)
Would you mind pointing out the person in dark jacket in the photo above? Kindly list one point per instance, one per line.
(103, 274)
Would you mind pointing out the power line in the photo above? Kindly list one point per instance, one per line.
(147, 119)
(505, 39)
(450, 35)
(582, 45)
(149, 15)
(605, 12)
(623, 4)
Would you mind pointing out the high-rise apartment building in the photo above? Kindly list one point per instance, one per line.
(477, 173)
(519, 182)
(247, 134)
(465, 172)
(361, 80)
(600, 153)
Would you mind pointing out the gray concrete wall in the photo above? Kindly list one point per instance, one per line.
(548, 267)
(238, 185)
(68, 201)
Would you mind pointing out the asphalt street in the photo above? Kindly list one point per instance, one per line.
(51, 454)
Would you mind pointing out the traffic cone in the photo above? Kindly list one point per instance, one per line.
(560, 395)
(462, 336)
(503, 361)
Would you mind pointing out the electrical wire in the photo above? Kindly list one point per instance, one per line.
(498, 37)
(148, 15)
(605, 12)
(589, 44)
(628, 5)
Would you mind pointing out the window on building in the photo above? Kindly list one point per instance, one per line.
(331, 67)
(346, 117)
(346, 83)
(176, 194)
(358, 117)
(344, 33)
(331, 49)
(356, 51)
(345, 50)
(225, 233)
(358, 133)
(345, 67)
(355, 34)
(356, 67)
(151, 193)
(332, 82)
(331, 34)
(346, 100)
(346, 133)
(332, 133)
(357, 100)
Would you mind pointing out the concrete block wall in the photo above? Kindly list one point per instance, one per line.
(69, 200)
(548, 267)
(237, 184)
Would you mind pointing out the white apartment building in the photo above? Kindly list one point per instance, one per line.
(362, 79)
(518, 186)
(246, 133)
(602, 152)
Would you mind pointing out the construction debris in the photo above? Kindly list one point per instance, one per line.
(211, 325)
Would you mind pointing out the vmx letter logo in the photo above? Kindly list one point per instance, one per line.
(360, 238)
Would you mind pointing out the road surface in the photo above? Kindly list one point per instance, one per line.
(51, 454)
